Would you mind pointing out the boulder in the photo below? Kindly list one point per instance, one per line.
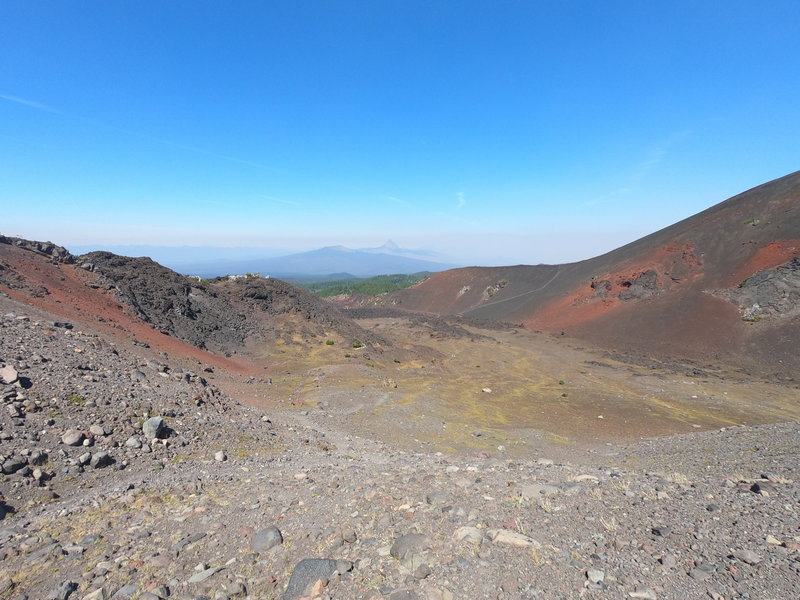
(154, 427)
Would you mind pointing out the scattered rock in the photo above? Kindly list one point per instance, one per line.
(311, 570)
(63, 591)
(512, 538)
(267, 538)
(8, 375)
(409, 543)
(154, 428)
(204, 574)
(72, 437)
(748, 556)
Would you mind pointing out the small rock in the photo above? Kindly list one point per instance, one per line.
(472, 535)
(126, 592)
(748, 556)
(38, 458)
(423, 571)
(267, 538)
(408, 544)
(8, 375)
(669, 561)
(647, 594)
(220, 456)
(699, 574)
(509, 584)
(203, 575)
(14, 464)
(536, 490)
(153, 428)
(310, 570)
(595, 575)
(100, 460)
(63, 591)
(404, 594)
(512, 538)
(236, 589)
(72, 437)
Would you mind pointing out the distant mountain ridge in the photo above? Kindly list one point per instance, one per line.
(335, 262)
(366, 262)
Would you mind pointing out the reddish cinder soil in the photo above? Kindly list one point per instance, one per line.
(770, 256)
(71, 298)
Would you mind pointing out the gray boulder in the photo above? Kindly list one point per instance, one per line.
(154, 427)
(267, 538)
(311, 570)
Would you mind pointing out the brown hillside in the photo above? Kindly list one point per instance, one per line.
(671, 292)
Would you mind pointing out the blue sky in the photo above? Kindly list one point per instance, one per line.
(503, 132)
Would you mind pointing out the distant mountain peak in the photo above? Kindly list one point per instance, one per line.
(389, 245)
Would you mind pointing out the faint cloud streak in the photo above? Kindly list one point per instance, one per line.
(281, 200)
(30, 103)
(50, 109)
(461, 201)
(399, 201)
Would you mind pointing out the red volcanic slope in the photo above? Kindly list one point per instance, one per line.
(659, 294)
(68, 294)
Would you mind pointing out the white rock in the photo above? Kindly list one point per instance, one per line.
(8, 374)
(470, 534)
(512, 538)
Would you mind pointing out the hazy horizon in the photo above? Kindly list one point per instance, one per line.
(505, 134)
(178, 254)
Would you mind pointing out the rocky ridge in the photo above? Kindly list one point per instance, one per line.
(223, 314)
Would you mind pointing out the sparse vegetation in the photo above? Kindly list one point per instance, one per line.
(358, 344)
(329, 342)
(609, 524)
(370, 286)
(77, 400)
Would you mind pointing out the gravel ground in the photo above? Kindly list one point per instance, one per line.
(130, 476)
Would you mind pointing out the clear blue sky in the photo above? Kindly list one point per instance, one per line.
(493, 132)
